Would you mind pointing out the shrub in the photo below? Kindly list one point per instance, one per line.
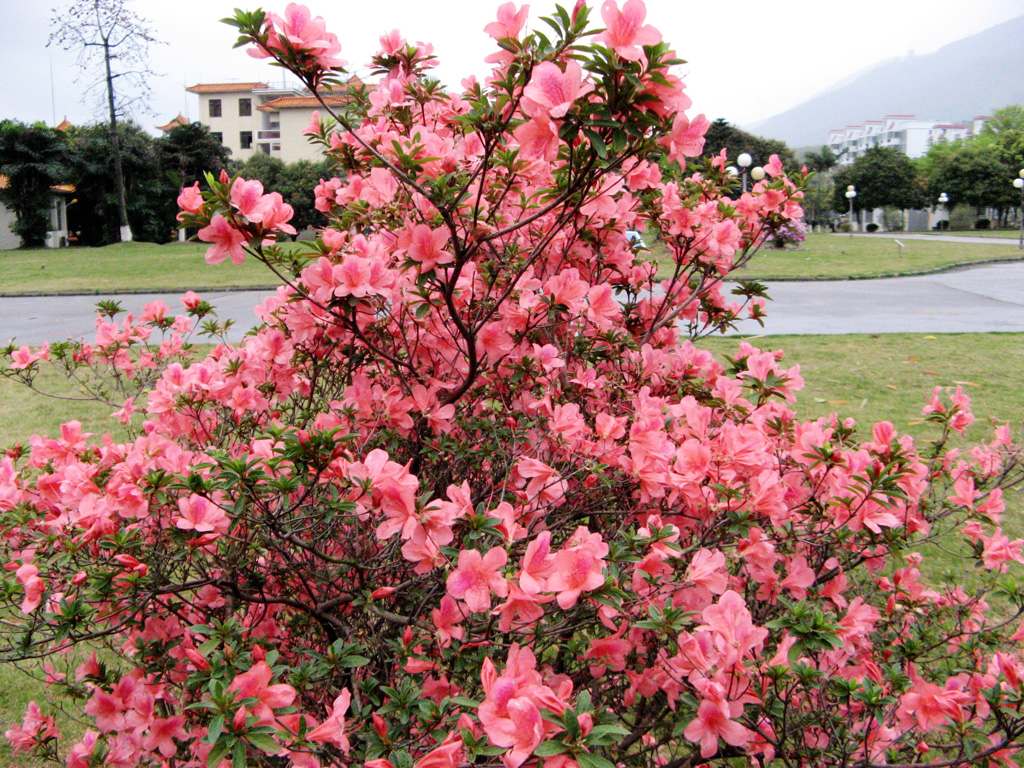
(471, 494)
(871, 227)
(790, 233)
(983, 223)
(892, 219)
(962, 217)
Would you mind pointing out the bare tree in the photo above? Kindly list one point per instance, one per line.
(112, 42)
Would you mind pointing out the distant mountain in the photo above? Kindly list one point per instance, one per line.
(970, 77)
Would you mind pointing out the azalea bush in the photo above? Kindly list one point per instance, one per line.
(790, 233)
(470, 493)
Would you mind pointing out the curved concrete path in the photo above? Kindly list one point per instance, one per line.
(975, 299)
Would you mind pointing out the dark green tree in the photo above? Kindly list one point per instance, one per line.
(723, 135)
(883, 177)
(974, 176)
(818, 197)
(149, 195)
(264, 168)
(296, 183)
(32, 158)
(188, 151)
(1004, 132)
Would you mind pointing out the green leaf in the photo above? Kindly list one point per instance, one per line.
(590, 760)
(238, 755)
(550, 749)
(216, 726)
(354, 661)
(263, 742)
(218, 752)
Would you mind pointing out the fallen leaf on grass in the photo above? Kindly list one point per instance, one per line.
(930, 373)
(928, 337)
(838, 402)
(966, 383)
(893, 388)
(819, 399)
(914, 359)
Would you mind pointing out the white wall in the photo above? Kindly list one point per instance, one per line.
(8, 240)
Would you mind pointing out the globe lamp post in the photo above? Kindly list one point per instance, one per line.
(1019, 184)
(744, 161)
(851, 192)
(943, 199)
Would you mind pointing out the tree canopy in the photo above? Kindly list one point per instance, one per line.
(723, 135)
(883, 177)
(33, 158)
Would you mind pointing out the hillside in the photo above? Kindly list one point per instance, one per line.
(970, 77)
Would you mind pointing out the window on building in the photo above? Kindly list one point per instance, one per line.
(245, 139)
(218, 136)
(244, 107)
(214, 107)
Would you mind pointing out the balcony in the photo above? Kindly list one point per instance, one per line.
(268, 135)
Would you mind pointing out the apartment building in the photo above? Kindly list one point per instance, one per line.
(904, 133)
(257, 117)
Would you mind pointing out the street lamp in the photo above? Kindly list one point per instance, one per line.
(943, 199)
(1019, 184)
(851, 192)
(757, 173)
(744, 161)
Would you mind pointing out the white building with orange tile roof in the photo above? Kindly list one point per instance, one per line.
(257, 117)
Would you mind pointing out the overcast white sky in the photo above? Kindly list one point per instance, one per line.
(748, 59)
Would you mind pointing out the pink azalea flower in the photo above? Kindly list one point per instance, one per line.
(686, 139)
(552, 92)
(476, 577)
(226, 239)
(332, 730)
(28, 575)
(201, 515)
(190, 200)
(626, 30)
(446, 619)
(255, 683)
(273, 213)
(447, 755)
(538, 139)
(714, 721)
(161, 735)
(245, 195)
(425, 245)
(578, 567)
(510, 21)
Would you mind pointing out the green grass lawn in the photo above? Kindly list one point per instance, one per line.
(1011, 234)
(125, 267)
(836, 257)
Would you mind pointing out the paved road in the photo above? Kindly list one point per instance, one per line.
(35, 319)
(971, 300)
(977, 299)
